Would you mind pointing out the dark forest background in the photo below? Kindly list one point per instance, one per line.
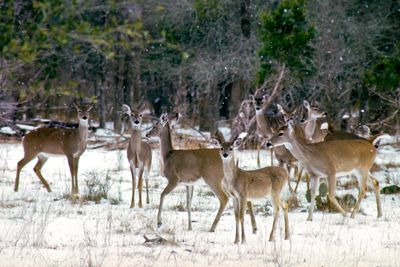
(199, 57)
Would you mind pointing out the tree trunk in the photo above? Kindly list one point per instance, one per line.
(102, 102)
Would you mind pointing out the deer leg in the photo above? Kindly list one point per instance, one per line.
(133, 174)
(72, 170)
(252, 217)
(285, 208)
(236, 209)
(146, 176)
(275, 204)
(258, 153)
(362, 182)
(223, 200)
(21, 164)
(172, 183)
(75, 177)
(288, 167)
(189, 197)
(140, 184)
(313, 189)
(42, 160)
(375, 184)
(331, 195)
(298, 179)
(271, 151)
(242, 211)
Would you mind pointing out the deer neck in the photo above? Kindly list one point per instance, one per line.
(83, 129)
(166, 143)
(230, 170)
(298, 145)
(310, 128)
(263, 125)
(136, 138)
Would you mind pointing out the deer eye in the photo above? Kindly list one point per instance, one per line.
(230, 149)
(280, 134)
(315, 109)
(140, 115)
(222, 149)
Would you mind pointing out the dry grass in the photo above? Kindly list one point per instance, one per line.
(294, 203)
(178, 207)
(8, 205)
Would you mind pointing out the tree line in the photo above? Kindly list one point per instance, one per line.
(200, 57)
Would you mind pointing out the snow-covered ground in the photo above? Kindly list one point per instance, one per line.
(38, 228)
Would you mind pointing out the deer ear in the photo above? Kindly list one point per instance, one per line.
(164, 118)
(251, 97)
(306, 104)
(238, 142)
(90, 106)
(142, 107)
(76, 103)
(280, 108)
(126, 109)
(215, 141)
(174, 119)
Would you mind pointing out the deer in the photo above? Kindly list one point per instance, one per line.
(189, 167)
(256, 184)
(312, 120)
(283, 155)
(265, 124)
(245, 120)
(332, 135)
(138, 153)
(329, 159)
(49, 142)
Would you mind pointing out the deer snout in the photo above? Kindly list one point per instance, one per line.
(225, 155)
(269, 144)
(84, 117)
(137, 122)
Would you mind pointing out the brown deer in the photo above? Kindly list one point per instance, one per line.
(265, 124)
(283, 155)
(188, 167)
(138, 153)
(49, 142)
(312, 120)
(252, 185)
(329, 159)
(332, 135)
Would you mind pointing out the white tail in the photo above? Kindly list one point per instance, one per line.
(47, 142)
(329, 159)
(251, 185)
(186, 167)
(139, 153)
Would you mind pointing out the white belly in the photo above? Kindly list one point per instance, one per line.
(197, 182)
(49, 155)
